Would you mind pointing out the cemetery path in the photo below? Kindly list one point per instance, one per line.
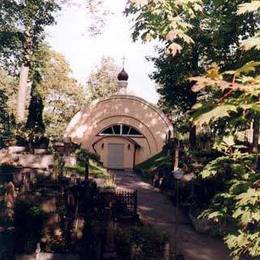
(156, 209)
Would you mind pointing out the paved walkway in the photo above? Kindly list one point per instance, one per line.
(156, 209)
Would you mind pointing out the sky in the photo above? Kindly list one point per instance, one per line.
(70, 37)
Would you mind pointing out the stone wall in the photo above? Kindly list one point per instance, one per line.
(36, 161)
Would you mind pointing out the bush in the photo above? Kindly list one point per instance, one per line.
(237, 200)
(146, 242)
(28, 220)
(83, 154)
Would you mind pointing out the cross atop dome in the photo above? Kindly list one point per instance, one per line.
(123, 76)
(122, 80)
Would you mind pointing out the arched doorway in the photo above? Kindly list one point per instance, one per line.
(116, 146)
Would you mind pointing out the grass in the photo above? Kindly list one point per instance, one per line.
(96, 170)
(150, 165)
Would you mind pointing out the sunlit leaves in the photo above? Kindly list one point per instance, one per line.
(239, 93)
(219, 111)
(102, 81)
(244, 242)
(174, 48)
(252, 196)
(252, 42)
(248, 7)
(239, 201)
(22, 29)
(246, 68)
(215, 167)
(165, 20)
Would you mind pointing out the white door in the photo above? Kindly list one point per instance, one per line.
(115, 156)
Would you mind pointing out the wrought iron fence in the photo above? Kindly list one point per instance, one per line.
(125, 203)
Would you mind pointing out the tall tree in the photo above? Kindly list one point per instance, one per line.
(102, 81)
(216, 34)
(21, 31)
(62, 95)
(55, 95)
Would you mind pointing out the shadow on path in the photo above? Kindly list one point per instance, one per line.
(155, 208)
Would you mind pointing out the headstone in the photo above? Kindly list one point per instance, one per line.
(10, 196)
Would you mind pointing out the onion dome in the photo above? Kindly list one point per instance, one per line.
(122, 76)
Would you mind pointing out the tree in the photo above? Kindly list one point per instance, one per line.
(229, 105)
(4, 118)
(55, 95)
(216, 33)
(228, 102)
(216, 40)
(232, 103)
(62, 95)
(35, 116)
(98, 16)
(21, 31)
(8, 86)
(102, 81)
(165, 20)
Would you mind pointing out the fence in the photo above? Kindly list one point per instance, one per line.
(125, 203)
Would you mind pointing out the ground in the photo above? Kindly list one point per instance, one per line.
(156, 209)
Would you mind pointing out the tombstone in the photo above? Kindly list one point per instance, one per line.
(10, 196)
(167, 251)
(110, 252)
(25, 187)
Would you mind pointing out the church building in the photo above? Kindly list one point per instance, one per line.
(124, 130)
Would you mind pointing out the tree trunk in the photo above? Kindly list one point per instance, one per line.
(256, 125)
(175, 154)
(176, 158)
(24, 75)
(256, 132)
(192, 136)
(22, 90)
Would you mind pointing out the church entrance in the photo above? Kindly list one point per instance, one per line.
(117, 145)
(115, 155)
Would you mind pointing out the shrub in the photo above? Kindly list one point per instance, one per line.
(238, 200)
(145, 241)
(28, 220)
(82, 155)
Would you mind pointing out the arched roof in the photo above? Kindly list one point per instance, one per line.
(126, 109)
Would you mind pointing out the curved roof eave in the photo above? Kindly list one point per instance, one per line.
(132, 97)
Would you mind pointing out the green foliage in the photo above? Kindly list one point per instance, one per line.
(22, 28)
(96, 170)
(82, 155)
(5, 124)
(28, 220)
(166, 20)
(146, 242)
(227, 98)
(102, 81)
(216, 40)
(35, 120)
(62, 95)
(149, 166)
(237, 199)
(7, 91)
